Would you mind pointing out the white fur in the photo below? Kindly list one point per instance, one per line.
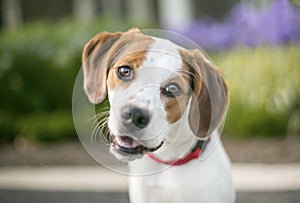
(206, 179)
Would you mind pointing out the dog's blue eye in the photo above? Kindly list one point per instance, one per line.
(171, 90)
(125, 72)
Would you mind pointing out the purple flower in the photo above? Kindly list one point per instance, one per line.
(277, 24)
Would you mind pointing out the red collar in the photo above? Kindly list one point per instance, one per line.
(192, 155)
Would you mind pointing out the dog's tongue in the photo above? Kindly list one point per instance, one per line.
(127, 142)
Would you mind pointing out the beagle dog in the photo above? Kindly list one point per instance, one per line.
(166, 104)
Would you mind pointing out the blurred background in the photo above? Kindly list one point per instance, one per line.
(256, 44)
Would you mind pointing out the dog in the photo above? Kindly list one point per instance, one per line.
(166, 104)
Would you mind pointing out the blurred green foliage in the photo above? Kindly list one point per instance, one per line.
(39, 64)
(264, 90)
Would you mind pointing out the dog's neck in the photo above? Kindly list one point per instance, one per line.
(179, 141)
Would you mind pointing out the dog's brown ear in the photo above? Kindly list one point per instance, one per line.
(210, 99)
(96, 61)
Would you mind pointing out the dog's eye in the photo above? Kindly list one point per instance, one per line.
(171, 90)
(125, 72)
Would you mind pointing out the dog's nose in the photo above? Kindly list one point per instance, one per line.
(139, 117)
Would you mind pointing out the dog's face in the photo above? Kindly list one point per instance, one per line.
(151, 83)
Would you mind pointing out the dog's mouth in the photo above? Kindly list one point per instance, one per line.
(130, 146)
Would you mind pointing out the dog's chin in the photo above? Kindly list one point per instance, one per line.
(127, 149)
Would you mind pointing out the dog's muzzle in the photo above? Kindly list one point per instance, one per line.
(135, 120)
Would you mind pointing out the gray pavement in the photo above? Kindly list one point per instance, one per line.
(254, 183)
(19, 196)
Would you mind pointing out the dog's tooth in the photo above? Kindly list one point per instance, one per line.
(122, 143)
(135, 144)
(127, 142)
(119, 141)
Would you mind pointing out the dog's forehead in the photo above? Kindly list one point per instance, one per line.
(162, 60)
(164, 53)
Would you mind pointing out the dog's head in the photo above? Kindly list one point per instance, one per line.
(151, 83)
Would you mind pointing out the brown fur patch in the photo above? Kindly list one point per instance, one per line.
(195, 74)
(133, 47)
(176, 106)
(97, 41)
(210, 94)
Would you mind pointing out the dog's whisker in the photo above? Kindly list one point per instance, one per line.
(100, 129)
(103, 124)
(102, 113)
(98, 119)
(99, 115)
(104, 132)
(92, 118)
(95, 121)
(93, 134)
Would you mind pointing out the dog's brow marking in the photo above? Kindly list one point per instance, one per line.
(176, 106)
(136, 53)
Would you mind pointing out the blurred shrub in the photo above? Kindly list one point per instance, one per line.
(277, 24)
(265, 90)
(45, 127)
(38, 66)
(7, 129)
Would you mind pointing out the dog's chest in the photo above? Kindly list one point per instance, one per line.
(197, 181)
(176, 184)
